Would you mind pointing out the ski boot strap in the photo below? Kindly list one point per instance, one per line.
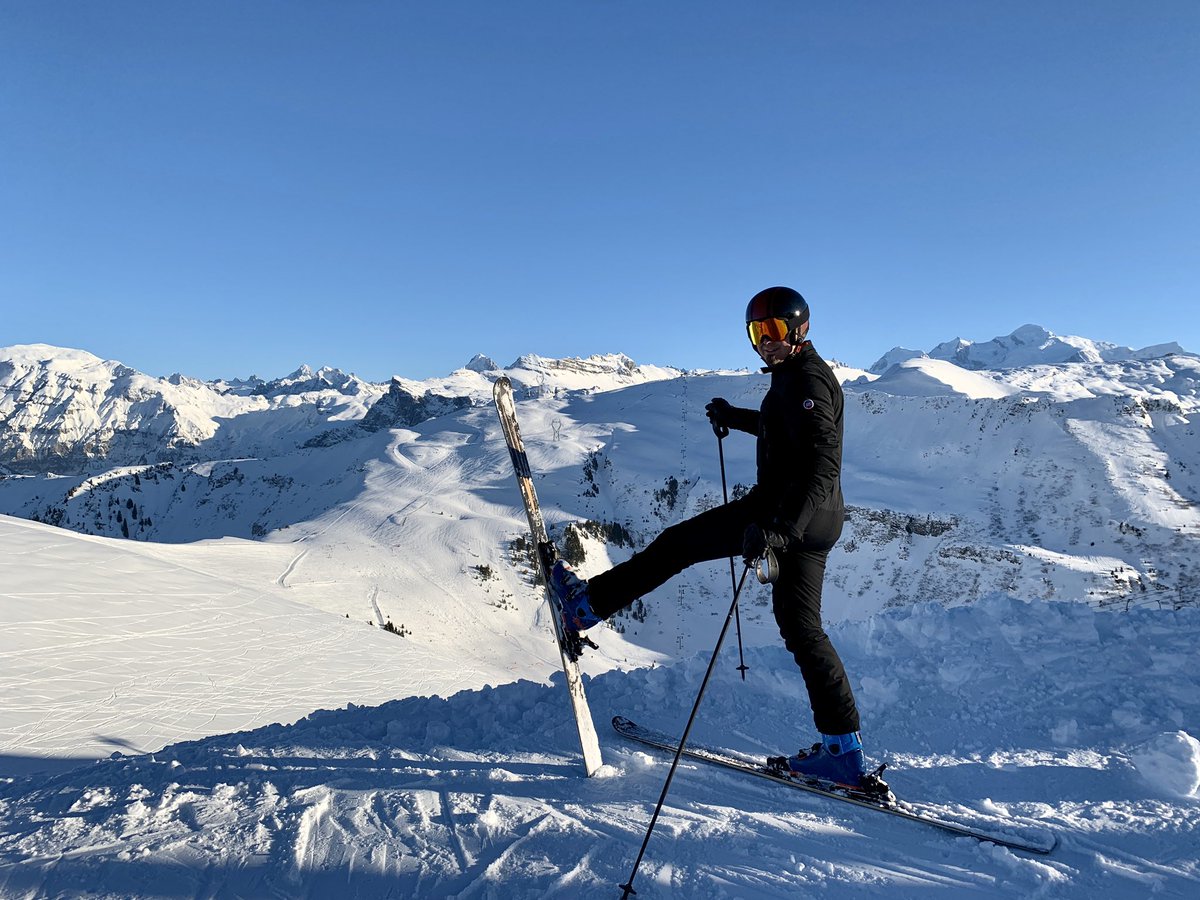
(837, 744)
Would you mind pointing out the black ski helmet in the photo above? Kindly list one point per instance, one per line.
(778, 303)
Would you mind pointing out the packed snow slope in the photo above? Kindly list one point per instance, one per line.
(127, 646)
(1027, 717)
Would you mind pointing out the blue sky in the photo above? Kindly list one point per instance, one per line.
(227, 188)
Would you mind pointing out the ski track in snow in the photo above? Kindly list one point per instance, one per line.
(481, 794)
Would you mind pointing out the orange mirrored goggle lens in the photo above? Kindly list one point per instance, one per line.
(771, 329)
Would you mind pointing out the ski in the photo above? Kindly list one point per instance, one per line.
(891, 806)
(569, 645)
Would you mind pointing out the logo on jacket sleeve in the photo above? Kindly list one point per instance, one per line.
(808, 404)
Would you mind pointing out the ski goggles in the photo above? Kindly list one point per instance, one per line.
(769, 329)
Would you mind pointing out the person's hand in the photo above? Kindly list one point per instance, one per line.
(719, 412)
(757, 540)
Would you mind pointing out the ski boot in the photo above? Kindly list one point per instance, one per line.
(837, 761)
(571, 593)
(569, 596)
(837, 758)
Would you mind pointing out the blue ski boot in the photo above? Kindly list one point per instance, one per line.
(838, 758)
(571, 594)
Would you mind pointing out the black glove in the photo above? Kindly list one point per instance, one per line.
(757, 540)
(719, 412)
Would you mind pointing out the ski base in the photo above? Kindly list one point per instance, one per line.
(868, 800)
(569, 650)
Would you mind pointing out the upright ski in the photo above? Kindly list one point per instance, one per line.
(568, 645)
(892, 807)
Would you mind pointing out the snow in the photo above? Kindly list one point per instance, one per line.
(160, 643)
(1028, 345)
(218, 716)
(1170, 762)
(924, 377)
(894, 357)
(1031, 718)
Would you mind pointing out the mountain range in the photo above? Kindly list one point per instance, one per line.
(1029, 345)
(1063, 479)
(283, 638)
(67, 411)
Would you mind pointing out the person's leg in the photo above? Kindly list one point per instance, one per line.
(796, 602)
(714, 534)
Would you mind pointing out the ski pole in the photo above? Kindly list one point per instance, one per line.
(628, 886)
(722, 432)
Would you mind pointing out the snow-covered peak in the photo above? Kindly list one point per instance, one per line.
(481, 363)
(895, 356)
(949, 349)
(598, 372)
(63, 409)
(845, 373)
(65, 406)
(1029, 345)
(925, 377)
(242, 386)
(1158, 351)
(608, 363)
(304, 381)
(49, 357)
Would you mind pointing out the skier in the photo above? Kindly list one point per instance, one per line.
(793, 515)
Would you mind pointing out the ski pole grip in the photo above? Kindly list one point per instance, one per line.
(720, 431)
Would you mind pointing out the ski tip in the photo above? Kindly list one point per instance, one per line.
(1046, 846)
(501, 387)
(1022, 843)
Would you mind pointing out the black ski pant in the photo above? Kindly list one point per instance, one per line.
(795, 597)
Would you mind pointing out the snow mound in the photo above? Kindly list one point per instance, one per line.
(925, 377)
(894, 357)
(1170, 762)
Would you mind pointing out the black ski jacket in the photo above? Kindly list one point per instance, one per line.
(799, 428)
